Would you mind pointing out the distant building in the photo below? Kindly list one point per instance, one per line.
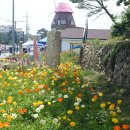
(20, 34)
(5, 29)
(8, 28)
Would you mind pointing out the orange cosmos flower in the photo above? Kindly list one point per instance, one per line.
(20, 92)
(0, 75)
(24, 110)
(125, 127)
(64, 89)
(111, 107)
(117, 128)
(80, 95)
(66, 82)
(45, 86)
(60, 99)
(62, 75)
(72, 124)
(1, 125)
(6, 124)
(28, 90)
(36, 90)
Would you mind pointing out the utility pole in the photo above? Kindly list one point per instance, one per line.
(16, 24)
(27, 26)
(55, 4)
(13, 29)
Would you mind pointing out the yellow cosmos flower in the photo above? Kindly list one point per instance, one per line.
(64, 117)
(2, 104)
(72, 124)
(118, 110)
(2, 111)
(11, 109)
(39, 102)
(9, 118)
(68, 119)
(93, 99)
(10, 97)
(35, 104)
(52, 83)
(103, 105)
(14, 103)
(69, 112)
(108, 103)
(49, 103)
(59, 118)
(114, 120)
(119, 101)
(77, 107)
(100, 94)
(112, 113)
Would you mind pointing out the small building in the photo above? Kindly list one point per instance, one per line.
(63, 17)
(72, 36)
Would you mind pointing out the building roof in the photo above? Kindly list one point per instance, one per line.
(78, 32)
(75, 32)
(102, 34)
(63, 7)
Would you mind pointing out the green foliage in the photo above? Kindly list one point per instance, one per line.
(95, 41)
(105, 59)
(69, 56)
(42, 32)
(88, 72)
(125, 2)
(122, 28)
(112, 56)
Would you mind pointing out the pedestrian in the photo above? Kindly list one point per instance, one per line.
(0, 51)
(10, 50)
(17, 49)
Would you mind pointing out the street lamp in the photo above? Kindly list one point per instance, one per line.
(13, 29)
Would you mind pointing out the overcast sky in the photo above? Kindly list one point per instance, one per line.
(41, 14)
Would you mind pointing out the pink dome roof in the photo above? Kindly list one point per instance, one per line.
(63, 7)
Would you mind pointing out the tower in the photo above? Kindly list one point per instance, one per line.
(63, 17)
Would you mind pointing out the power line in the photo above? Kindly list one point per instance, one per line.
(5, 19)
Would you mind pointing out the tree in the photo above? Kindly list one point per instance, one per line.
(42, 32)
(122, 28)
(94, 7)
(125, 2)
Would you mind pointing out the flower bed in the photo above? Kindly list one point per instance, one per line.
(56, 99)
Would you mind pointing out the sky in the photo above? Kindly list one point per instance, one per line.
(41, 14)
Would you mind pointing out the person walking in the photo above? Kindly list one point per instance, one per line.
(17, 49)
(0, 51)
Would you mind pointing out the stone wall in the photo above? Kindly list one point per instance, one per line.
(112, 59)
